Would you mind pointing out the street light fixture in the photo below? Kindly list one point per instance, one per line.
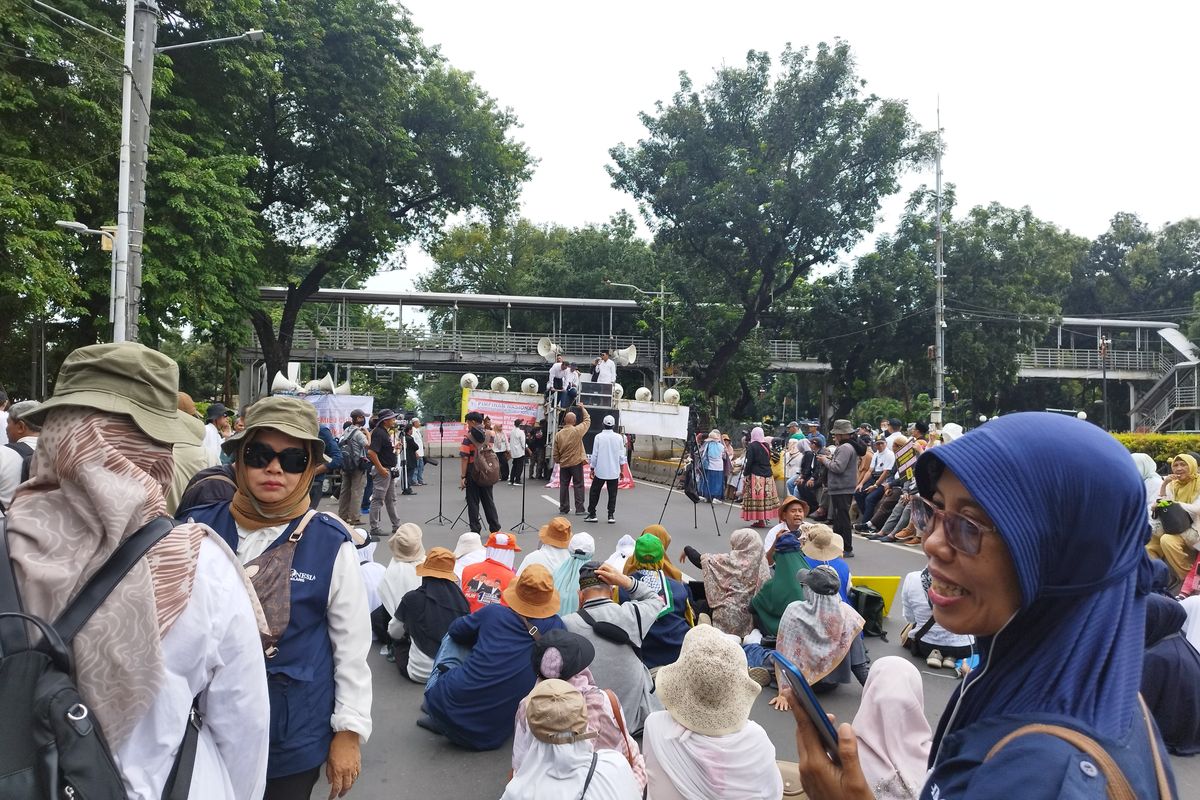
(116, 289)
(254, 36)
(662, 295)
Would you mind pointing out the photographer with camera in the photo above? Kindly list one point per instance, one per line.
(382, 454)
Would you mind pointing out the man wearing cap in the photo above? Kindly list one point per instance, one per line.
(792, 511)
(617, 632)
(181, 622)
(554, 766)
(569, 455)
(842, 469)
(607, 458)
(382, 455)
(482, 669)
(23, 433)
(477, 494)
(793, 431)
(814, 430)
(212, 434)
(484, 583)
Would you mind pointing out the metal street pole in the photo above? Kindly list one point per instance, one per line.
(1104, 345)
(145, 35)
(124, 216)
(662, 326)
(939, 324)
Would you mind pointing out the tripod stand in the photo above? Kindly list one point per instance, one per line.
(523, 525)
(441, 519)
(689, 449)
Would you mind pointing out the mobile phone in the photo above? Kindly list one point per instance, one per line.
(808, 701)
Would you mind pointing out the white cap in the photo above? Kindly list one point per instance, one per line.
(609, 421)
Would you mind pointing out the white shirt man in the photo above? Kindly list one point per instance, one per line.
(607, 369)
(516, 441)
(608, 455)
(556, 373)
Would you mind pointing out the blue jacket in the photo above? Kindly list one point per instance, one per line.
(1037, 766)
(300, 677)
(332, 449)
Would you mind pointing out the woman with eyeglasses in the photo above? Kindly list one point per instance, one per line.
(1034, 527)
(317, 674)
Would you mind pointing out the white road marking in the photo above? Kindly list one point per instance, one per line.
(553, 501)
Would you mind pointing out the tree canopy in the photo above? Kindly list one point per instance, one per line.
(758, 178)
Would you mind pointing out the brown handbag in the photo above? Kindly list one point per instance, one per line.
(271, 576)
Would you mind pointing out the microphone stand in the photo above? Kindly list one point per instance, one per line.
(522, 525)
(440, 519)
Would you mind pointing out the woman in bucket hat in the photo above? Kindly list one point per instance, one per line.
(704, 746)
(482, 668)
(102, 470)
(319, 681)
(555, 537)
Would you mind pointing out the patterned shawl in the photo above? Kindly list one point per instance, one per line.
(816, 633)
(96, 479)
(732, 579)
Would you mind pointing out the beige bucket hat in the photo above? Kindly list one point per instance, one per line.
(288, 415)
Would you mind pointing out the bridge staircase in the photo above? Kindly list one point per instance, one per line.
(1173, 402)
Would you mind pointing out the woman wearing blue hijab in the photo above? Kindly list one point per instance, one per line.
(1035, 527)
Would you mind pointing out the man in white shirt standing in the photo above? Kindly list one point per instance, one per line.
(607, 369)
(556, 380)
(517, 451)
(608, 456)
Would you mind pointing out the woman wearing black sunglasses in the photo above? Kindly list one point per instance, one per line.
(318, 679)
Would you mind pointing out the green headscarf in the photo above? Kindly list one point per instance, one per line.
(783, 588)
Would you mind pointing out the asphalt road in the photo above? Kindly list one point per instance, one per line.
(403, 761)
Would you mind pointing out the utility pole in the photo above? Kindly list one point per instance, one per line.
(1103, 346)
(939, 325)
(142, 34)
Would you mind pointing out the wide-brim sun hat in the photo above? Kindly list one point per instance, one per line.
(468, 543)
(288, 415)
(532, 594)
(842, 426)
(406, 543)
(823, 544)
(708, 689)
(556, 532)
(439, 563)
(122, 378)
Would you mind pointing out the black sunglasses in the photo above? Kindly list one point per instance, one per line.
(259, 456)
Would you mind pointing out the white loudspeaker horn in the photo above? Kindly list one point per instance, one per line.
(281, 384)
(547, 349)
(343, 388)
(469, 381)
(499, 384)
(671, 396)
(626, 357)
(618, 391)
(643, 394)
(529, 386)
(326, 384)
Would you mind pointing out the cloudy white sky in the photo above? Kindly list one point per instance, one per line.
(1078, 110)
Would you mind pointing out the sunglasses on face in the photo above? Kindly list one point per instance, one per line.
(260, 456)
(963, 534)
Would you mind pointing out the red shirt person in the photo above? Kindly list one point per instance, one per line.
(484, 583)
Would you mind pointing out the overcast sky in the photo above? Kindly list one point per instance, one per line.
(1076, 110)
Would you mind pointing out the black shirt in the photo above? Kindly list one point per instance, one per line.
(381, 443)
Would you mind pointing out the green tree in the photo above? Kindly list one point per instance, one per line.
(366, 139)
(754, 181)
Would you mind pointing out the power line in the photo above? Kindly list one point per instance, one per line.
(873, 327)
(72, 33)
(57, 175)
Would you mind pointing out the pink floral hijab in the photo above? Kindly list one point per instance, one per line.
(732, 579)
(816, 633)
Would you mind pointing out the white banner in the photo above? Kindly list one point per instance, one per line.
(334, 409)
(654, 419)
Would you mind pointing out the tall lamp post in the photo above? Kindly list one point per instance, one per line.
(116, 290)
(662, 294)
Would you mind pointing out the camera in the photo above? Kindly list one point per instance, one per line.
(395, 472)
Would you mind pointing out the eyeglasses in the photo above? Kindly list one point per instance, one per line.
(964, 534)
(291, 459)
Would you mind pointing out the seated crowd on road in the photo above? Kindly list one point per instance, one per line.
(1059, 591)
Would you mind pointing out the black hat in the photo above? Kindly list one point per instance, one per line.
(587, 576)
(215, 410)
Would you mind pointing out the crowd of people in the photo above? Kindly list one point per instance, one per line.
(1056, 587)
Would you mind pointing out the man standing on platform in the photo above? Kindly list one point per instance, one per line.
(569, 455)
(606, 369)
(608, 456)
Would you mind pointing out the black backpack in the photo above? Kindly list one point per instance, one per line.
(26, 453)
(50, 744)
(869, 604)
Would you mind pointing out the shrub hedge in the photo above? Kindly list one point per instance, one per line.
(1162, 447)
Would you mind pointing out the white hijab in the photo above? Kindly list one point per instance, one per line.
(893, 733)
(399, 579)
(684, 765)
(559, 771)
(548, 556)
(1191, 628)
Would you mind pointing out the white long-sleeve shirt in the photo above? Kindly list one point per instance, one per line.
(349, 622)
(556, 371)
(516, 442)
(608, 371)
(608, 454)
(10, 473)
(212, 649)
(419, 440)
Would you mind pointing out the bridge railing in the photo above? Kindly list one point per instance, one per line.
(576, 347)
(1089, 360)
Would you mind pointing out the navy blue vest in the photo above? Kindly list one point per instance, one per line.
(300, 676)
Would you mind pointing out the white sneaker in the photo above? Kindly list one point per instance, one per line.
(935, 659)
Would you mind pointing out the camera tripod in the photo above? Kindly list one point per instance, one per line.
(689, 449)
(441, 519)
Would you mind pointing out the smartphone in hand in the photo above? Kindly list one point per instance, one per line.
(808, 701)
